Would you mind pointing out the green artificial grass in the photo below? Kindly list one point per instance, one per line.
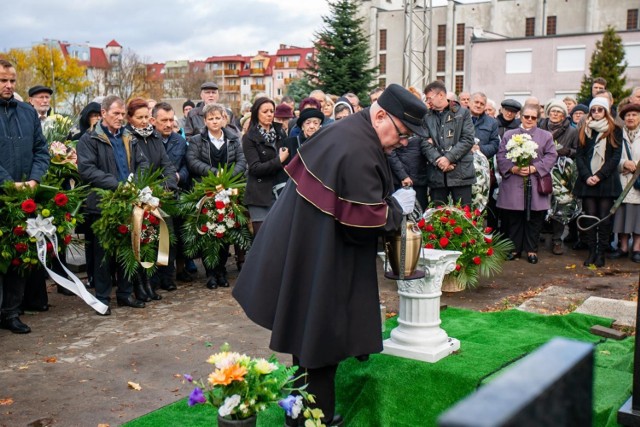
(392, 391)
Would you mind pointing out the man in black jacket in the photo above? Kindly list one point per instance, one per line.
(106, 157)
(24, 160)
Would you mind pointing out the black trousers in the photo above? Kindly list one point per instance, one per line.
(223, 256)
(35, 290)
(102, 277)
(524, 234)
(462, 194)
(12, 286)
(321, 383)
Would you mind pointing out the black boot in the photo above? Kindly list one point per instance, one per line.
(599, 261)
(591, 258)
(148, 288)
(604, 236)
(64, 291)
(221, 277)
(138, 288)
(591, 239)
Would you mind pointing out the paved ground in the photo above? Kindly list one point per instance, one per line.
(73, 369)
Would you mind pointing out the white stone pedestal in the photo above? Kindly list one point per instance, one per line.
(419, 335)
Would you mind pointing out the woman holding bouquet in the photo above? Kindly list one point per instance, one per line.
(524, 217)
(263, 148)
(598, 183)
(215, 146)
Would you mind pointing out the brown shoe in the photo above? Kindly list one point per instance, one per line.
(557, 249)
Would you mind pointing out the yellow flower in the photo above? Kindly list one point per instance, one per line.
(263, 366)
(26, 260)
(32, 239)
(73, 221)
(34, 261)
(1, 233)
(60, 229)
(45, 212)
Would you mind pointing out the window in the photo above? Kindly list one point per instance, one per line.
(279, 75)
(460, 34)
(442, 35)
(460, 60)
(459, 84)
(632, 19)
(551, 25)
(440, 64)
(530, 27)
(383, 63)
(279, 91)
(518, 61)
(245, 82)
(383, 39)
(632, 54)
(570, 58)
(382, 82)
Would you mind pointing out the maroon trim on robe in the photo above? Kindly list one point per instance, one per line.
(346, 212)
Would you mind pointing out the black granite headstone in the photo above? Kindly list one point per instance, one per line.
(551, 387)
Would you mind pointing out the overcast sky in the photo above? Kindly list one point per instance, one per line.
(164, 30)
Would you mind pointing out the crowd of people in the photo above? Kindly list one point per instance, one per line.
(320, 161)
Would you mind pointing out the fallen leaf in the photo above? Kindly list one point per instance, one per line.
(134, 386)
(569, 267)
(103, 425)
(23, 367)
(175, 390)
(50, 360)
(6, 402)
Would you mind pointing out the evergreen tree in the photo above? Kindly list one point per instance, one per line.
(607, 61)
(299, 89)
(342, 53)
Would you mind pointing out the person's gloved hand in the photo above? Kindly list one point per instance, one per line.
(406, 198)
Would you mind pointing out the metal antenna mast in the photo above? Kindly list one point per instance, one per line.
(416, 67)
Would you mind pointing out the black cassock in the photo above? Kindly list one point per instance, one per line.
(310, 276)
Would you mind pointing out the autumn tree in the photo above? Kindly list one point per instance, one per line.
(342, 61)
(127, 77)
(607, 61)
(46, 65)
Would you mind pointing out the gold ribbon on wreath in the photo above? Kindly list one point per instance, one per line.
(136, 230)
(208, 196)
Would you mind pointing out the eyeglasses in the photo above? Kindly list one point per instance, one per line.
(528, 117)
(597, 110)
(556, 112)
(400, 134)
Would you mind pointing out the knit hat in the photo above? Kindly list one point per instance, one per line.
(556, 103)
(188, 103)
(283, 111)
(600, 102)
(580, 107)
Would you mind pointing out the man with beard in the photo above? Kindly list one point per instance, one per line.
(311, 272)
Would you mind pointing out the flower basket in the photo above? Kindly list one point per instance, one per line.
(28, 217)
(214, 216)
(241, 387)
(450, 283)
(132, 226)
(461, 229)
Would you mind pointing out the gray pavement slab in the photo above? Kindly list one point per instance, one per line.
(624, 312)
(554, 300)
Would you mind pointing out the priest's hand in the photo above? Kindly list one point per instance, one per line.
(406, 198)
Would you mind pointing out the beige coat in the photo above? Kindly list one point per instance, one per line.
(634, 195)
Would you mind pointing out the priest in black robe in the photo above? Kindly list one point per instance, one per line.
(310, 276)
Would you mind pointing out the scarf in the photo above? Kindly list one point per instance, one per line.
(557, 129)
(143, 132)
(600, 126)
(269, 136)
(631, 134)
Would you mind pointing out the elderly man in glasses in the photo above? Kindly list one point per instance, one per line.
(448, 147)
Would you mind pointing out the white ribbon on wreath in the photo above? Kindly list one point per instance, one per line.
(43, 230)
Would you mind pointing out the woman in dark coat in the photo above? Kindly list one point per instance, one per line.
(151, 145)
(207, 151)
(263, 148)
(310, 122)
(598, 183)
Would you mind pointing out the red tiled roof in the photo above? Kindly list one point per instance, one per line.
(113, 43)
(97, 58)
(228, 58)
(293, 51)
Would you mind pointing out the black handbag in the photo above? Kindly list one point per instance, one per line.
(636, 184)
(545, 184)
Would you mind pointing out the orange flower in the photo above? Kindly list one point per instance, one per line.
(226, 376)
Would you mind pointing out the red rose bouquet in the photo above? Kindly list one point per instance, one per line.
(214, 216)
(456, 228)
(26, 214)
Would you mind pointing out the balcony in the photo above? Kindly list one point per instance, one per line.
(231, 72)
(231, 88)
(258, 71)
(287, 81)
(218, 72)
(258, 87)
